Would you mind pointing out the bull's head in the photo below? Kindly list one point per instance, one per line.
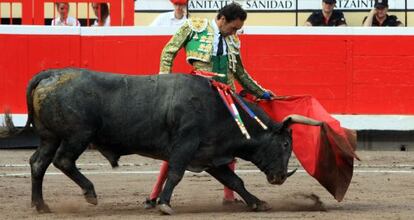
(272, 157)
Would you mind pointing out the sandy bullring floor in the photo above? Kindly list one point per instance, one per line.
(382, 188)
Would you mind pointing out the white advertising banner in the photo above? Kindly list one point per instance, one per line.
(214, 5)
(364, 4)
(268, 5)
(410, 4)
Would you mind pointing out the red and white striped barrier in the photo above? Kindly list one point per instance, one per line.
(365, 76)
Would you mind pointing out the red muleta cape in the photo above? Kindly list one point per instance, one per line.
(325, 152)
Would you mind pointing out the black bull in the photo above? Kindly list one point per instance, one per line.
(178, 118)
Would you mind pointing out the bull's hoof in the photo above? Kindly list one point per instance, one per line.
(166, 209)
(150, 203)
(42, 208)
(260, 206)
(91, 199)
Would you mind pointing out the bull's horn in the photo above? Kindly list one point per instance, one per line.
(300, 119)
(291, 172)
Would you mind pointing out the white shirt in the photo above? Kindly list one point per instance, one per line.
(168, 19)
(106, 24)
(70, 21)
(216, 38)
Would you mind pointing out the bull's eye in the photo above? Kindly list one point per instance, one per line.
(285, 144)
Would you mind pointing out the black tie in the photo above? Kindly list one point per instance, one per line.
(220, 46)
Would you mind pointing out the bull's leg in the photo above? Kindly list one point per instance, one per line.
(65, 159)
(39, 162)
(175, 174)
(181, 156)
(228, 178)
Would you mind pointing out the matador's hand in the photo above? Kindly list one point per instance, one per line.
(268, 95)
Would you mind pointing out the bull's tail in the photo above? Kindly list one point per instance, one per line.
(8, 129)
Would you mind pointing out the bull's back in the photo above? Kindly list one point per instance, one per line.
(120, 109)
(91, 94)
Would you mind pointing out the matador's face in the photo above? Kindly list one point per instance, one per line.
(229, 28)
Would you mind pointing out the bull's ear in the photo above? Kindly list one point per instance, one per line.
(276, 127)
(286, 123)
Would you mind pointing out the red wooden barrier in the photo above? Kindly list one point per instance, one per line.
(115, 10)
(24, 55)
(129, 13)
(349, 74)
(33, 10)
(128, 54)
(26, 10)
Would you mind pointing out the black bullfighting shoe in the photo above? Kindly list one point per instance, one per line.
(150, 203)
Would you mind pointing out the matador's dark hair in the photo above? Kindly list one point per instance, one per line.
(232, 12)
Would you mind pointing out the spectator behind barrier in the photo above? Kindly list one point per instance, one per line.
(173, 18)
(327, 16)
(379, 17)
(64, 19)
(101, 11)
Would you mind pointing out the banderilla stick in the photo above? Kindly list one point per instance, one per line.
(223, 97)
(237, 114)
(248, 110)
